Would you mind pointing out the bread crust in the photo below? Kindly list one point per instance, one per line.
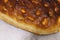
(28, 27)
(36, 16)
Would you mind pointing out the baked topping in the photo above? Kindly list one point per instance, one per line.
(38, 12)
(5, 1)
(58, 20)
(56, 9)
(42, 13)
(51, 13)
(23, 10)
(58, 1)
(30, 18)
(46, 4)
(35, 1)
(45, 21)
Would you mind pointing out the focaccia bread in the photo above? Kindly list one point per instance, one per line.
(36, 16)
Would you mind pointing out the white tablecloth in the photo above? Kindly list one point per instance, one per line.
(8, 32)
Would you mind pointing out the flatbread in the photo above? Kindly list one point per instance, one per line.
(36, 16)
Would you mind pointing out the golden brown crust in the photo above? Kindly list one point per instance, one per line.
(38, 13)
(40, 17)
(30, 28)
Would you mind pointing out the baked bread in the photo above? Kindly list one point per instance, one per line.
(36, 16)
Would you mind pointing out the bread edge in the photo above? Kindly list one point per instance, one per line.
(30, 28)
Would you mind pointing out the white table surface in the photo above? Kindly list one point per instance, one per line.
(8, 32)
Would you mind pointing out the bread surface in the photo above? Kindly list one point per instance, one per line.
(39, 17)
